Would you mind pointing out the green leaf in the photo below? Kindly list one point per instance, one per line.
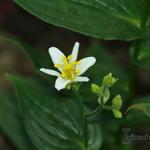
(95, 136)
(142, 106)
(135, 118)
(52, 123)
(10, 121)
(105, 19)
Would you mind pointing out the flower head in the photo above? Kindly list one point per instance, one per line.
(69, 69)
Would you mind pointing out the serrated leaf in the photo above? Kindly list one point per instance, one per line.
(105, 19)
(10, 121)
(53, 124)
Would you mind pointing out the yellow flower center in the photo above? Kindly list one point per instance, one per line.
(68, 68)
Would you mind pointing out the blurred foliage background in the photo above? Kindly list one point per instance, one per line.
(18, 24)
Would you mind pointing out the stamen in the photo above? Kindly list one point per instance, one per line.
(69, 57)
(77, 71)
(64, 59)
(57, 65)
(63, 75)
(69, 70)
(78, 62)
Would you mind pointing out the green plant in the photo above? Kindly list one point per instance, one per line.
(52, 120)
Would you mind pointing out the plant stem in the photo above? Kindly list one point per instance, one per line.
(136, 52)
(107, 107)
(97, 110)
(82, 111)
(134, 68)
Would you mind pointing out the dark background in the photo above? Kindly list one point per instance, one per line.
(15, 22)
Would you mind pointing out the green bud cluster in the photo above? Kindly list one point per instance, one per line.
(103, 94)
(102, 91)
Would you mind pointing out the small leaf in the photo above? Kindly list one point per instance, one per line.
(54, 124)
(134, 117)
(105, 19)
(143, 107)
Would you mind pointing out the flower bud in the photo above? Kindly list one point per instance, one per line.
(117, 113)
(96, 89)
(109, 80)
(117, 102)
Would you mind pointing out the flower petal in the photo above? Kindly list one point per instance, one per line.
(50, 72)
(85, 64)
(75, 51)
(60, 83)
(56, 55)
(82, 79)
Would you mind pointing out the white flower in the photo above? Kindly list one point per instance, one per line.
(69, 68)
